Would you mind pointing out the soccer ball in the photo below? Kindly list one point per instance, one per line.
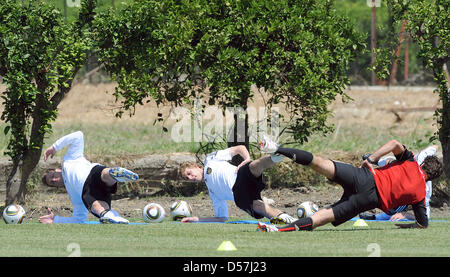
(14, 214)
(153, 213)
(306, 209)
(181, 209)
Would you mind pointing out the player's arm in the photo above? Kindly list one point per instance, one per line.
(243, 152)
(420, 213)
(391, 146)
(75, 141)
(203, 219)
(240, 150)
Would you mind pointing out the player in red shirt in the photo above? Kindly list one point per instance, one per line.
(365, 188)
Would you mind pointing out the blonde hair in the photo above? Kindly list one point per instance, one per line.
(185, 166)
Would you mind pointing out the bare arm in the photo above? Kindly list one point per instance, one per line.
(243, 152)
(240, 150)
(391, 146)
(203, 219)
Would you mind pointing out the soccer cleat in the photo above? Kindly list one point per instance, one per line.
(282, 218)
(266, 145)
(122, 175)
(264, 227)
(113, 220)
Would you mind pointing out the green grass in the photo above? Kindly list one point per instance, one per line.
(358, 138)
(136, 139)
(174, 239)
(116, 139)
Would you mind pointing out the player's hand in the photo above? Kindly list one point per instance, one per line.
(49, 152)
(366, 164)
(242, 164)
(189, 219)
(47, 219)
(397, 217)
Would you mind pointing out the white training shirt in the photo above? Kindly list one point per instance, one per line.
(220, 176)
(75, 170)
(429, 151)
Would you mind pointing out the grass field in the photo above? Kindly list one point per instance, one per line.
(174, 239)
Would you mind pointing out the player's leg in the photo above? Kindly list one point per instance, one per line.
(265, 209)
(258, 166)
(322, 166)
(96, 195)
(320, 218)
(275, 215)
(247, 191)
(102, 210)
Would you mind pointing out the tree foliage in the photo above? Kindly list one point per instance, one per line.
(299, 51)
(429, 27)
(39, 57)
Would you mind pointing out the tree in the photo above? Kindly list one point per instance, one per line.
(429, 27)
(39, 57)
(171, 51)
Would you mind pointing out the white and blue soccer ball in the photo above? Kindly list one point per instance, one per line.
(180, 209)
(307, 209)
(153, 213)
(14, 214)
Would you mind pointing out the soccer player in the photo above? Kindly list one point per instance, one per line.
(399, 183)
(243, 184)
(399, 212)
(89, 185)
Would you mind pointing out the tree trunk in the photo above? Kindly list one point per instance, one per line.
(16, 185)
(23, 166)
(444, 120)
(14, 190)
(240, 129)
(444, 133)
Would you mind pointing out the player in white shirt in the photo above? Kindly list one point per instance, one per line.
(89, 185)
(242, 184)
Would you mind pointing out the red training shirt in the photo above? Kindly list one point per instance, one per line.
(402, 182)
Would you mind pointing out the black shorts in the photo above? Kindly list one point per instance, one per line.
(360, 192)
(246, 189)
(95, 189)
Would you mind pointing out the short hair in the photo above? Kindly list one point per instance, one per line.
(432, 167)
(185, 166)
(44, 177)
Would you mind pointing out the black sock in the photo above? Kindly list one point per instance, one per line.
(102, 214)
(297, 155)
(303, 224)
